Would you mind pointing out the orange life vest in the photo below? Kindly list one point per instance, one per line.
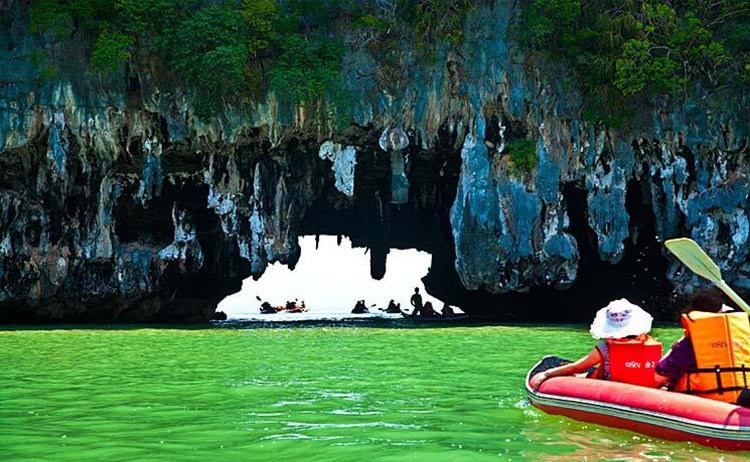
(633, 361)
(721, 342)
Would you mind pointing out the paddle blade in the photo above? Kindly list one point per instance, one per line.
(694, 258)
(701, 264)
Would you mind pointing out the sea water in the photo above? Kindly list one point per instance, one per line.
(298, 392)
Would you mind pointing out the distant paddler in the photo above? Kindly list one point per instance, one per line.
(265, 307)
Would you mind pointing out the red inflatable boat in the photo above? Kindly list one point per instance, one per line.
(653, 412)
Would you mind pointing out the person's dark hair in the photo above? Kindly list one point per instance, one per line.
(708, 300)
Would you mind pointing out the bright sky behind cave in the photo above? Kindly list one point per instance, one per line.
(330, 279)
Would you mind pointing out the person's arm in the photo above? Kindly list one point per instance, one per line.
(414, 304)
(660, 380)
(582, 365)
(674, 363)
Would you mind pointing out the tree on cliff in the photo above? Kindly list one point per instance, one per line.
(625, 50)
(223, 49)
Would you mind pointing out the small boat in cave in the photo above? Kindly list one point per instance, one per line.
(653, 412)
(290, 307)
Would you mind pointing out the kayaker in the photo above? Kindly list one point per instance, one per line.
(265, 307)
(360, 307)
(619, 323)
(428, 311)
(681, 356)
(713, 345)
(447, 311)
(393, 307)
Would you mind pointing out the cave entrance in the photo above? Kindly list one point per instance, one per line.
(331, 276)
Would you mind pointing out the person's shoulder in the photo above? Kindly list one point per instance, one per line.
(682, 344)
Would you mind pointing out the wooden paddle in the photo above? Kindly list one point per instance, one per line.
(701, 264)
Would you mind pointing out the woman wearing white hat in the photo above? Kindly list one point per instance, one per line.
(624, 328)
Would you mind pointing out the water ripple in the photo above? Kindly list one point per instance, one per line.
(313, 393)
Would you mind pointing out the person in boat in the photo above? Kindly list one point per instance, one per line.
(393, 307)
(708, 360)
(428, 311)
(265, 307)
(360, 307)
(447, 311)
(623, 328)
(416, 302)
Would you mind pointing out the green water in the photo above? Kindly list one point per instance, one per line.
(325, 393)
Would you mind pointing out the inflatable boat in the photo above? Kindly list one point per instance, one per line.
(653, 412)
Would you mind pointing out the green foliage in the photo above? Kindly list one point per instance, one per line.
(261, 18)
(737, 44)
(442, 19)
(227, 48)
(306, 68)
(370, 21)
(211, 51)
(523, 155)
(150, 19)
(51, 16)
(627, 49)
(309, 16)
(110, 51)
(738, 40)
(638, 68)
(62, 17)
(552, 21)
(91, 15)
(434, 21)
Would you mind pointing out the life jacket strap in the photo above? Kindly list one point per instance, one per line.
(717, 371)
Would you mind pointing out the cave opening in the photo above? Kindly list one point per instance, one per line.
(379, 230)
(412, 242)
(330, 277)
(379, 233)
(366, 249)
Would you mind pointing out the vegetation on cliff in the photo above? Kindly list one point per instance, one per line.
(228, 48)
(627, 51)
(522, 155)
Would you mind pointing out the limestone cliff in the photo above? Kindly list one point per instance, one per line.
(118, 204)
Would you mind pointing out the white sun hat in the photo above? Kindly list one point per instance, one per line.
(620, 319)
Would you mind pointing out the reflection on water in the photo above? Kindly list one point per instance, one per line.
(577, 441)
(322, 392)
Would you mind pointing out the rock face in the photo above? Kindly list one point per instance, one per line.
(119, 205)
